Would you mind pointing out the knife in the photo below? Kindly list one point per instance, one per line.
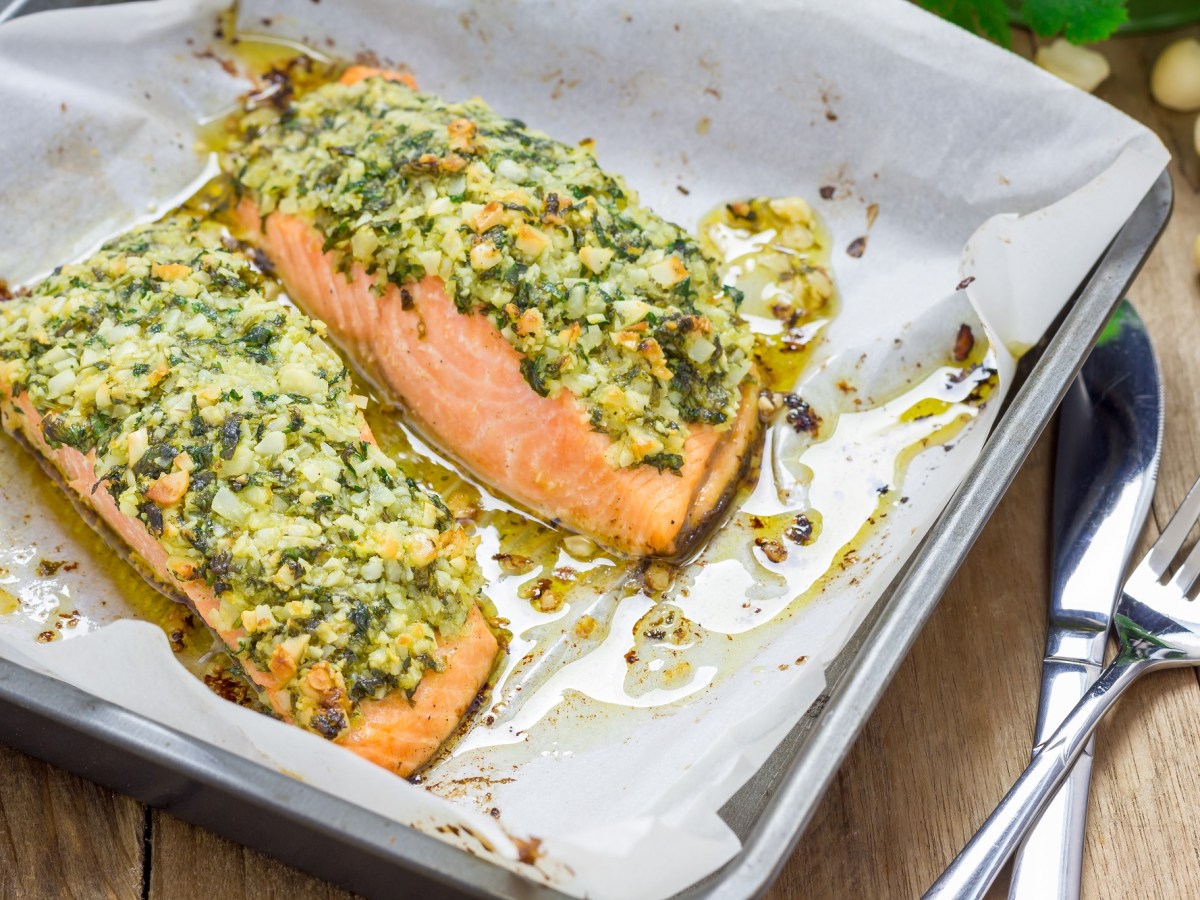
(1109, 441)
(10, 10)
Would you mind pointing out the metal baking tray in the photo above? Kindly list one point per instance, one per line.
(364, 852)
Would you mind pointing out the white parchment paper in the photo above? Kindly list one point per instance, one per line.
(696, 103)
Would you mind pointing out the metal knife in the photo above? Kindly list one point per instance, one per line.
(1109, 440)
(11, 9)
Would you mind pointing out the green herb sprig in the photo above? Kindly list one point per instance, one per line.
(1079, 21)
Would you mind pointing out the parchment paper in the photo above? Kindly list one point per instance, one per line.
(696, 103)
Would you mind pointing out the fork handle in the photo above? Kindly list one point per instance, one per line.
(976, 867)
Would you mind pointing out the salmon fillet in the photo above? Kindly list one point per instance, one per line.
(468, 389)
(463, 384)
(394, 731)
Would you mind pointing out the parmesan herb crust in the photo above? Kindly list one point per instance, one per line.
(600, 296)
(223, 422)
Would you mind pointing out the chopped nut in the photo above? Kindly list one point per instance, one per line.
(421, 550)
(531, 242)
(463, 504)
(669, 272)
(791, 209)
(182, 568)
(797, 237)
(489, 217)
(596, 258)
(650, 349)
(627, 339)
(462, 135)
(772, 549)
(284, 578)
(485, 256)
(159, 372)
(513, 564)
(530, 322)
(258, 618)
(389, 547)
(657, 576)
(541, 595)
(168, 489)
(570, 335)
(170, 272)
(281, 665)
(821, 285)
(769, 403)
(585, 626)
(453, 542)
(319, 678)
(206, 397)
(643, 444)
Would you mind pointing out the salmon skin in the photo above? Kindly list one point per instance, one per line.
(212, 430)
(565, 344)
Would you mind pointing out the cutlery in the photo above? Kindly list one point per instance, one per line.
(1109, 440)
(1157, 626)
(11, 9)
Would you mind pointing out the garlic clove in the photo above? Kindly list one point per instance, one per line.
(1175, 79)
(1079, 66)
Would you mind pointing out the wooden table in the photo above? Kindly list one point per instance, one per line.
(946, 741)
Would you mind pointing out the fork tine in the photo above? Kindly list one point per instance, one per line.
(1187, 573)
(1175, 534)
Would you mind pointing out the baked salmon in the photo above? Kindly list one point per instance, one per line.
(214, 432)
(564, 343)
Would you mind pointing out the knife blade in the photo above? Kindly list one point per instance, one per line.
(1109, 442)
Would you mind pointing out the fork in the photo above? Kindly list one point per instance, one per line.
(1157, 626)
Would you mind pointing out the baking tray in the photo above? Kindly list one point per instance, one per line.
(365, 852)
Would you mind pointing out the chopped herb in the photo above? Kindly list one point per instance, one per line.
(289, 534)
(527, 230)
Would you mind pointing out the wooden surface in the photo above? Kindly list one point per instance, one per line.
(946, 741)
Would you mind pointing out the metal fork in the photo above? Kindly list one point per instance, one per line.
(1157, 626)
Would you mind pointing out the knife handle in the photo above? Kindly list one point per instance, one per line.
(1050, 862)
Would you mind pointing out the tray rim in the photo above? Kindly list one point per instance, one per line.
(214, 788)
(884, 640)
(207, 785)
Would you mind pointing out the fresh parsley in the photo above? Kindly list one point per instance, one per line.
(1079, 21)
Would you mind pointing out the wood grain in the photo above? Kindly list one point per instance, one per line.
(188, 862)
(63, 837)
(946, 741)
